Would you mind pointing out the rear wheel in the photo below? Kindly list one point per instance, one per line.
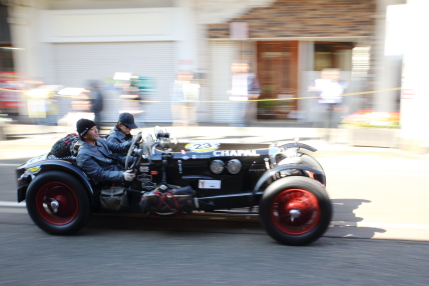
(58, 203)
(295, 210)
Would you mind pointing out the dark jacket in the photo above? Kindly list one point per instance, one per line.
(99, 163)
(117, 137)
(96, 101)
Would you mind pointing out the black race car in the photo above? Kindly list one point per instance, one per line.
(177, 179)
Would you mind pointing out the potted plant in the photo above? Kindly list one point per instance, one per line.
(374, 129)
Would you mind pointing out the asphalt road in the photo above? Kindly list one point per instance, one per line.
(168, 254)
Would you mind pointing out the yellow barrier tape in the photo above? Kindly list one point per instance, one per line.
(268, 99)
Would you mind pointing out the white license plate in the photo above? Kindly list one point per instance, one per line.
(209, 184)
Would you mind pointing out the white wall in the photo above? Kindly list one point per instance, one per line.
(386, 68)
(221, 11)
(109, 25)
(106, 4)
(415, 97)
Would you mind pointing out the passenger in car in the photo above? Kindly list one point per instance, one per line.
(121, 133)
(96, 156)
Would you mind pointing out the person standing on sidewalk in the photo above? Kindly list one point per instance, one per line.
(96, 102)
(330, 89)
(184, 97)
(244, 87)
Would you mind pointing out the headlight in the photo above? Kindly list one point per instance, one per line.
(164, 142)
(217, 166)
(234, 166)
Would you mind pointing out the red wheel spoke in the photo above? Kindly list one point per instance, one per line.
(295, 211)
(68, 204)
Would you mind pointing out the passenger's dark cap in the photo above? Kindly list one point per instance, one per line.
(84, 125)
(128, 120)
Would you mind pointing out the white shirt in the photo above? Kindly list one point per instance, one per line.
(330, 91)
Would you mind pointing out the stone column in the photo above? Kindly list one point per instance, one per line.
(415, 87)
(305, 70)
(24, 34)
(187, 31)
(23, 20)
(387, 67)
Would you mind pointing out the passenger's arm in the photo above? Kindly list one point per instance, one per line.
(94, 171)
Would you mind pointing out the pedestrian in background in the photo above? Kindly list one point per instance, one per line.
(244, 87)
(131, 100)
(139, 91)
(184, 97)
(330, 101)
(96, 102)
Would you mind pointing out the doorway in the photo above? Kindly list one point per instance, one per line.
(277, 72)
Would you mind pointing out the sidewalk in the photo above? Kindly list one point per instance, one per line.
(30, 140)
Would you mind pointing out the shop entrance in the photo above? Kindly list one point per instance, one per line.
(278, 77)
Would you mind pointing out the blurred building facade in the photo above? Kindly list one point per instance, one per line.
(290, 42)
(286, 42)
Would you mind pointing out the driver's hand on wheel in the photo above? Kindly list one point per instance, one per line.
(136, 152)
(134, 137)
(129, 175)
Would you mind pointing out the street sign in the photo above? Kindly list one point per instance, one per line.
(238, 31)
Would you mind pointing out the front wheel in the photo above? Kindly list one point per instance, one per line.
(313, 163)
(295, 210)
(58, 203)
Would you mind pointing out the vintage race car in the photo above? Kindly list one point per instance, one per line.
(284, 183)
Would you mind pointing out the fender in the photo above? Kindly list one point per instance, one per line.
(299, 145)
(269, 173)
(64, 165)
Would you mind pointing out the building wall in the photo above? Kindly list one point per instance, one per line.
(4, 26)
(107, 4)
(306, 21)
(221, 11)
(71, 45)
(305, 18)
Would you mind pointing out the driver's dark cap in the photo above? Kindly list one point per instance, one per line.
(128, 120)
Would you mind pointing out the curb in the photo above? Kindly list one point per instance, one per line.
(379, 152)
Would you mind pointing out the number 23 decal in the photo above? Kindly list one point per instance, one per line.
(202, 146)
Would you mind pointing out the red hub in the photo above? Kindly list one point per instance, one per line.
(57, 203)
(295, 211)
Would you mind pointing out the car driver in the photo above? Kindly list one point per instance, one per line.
(95, 156)
(121, 133)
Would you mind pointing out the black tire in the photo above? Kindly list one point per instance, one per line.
(74, 209)
(310, 203)
(308, 160)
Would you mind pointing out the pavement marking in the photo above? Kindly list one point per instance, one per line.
(379, 174)
(380, 225)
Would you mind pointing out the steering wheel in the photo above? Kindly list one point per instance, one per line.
(134, 142)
